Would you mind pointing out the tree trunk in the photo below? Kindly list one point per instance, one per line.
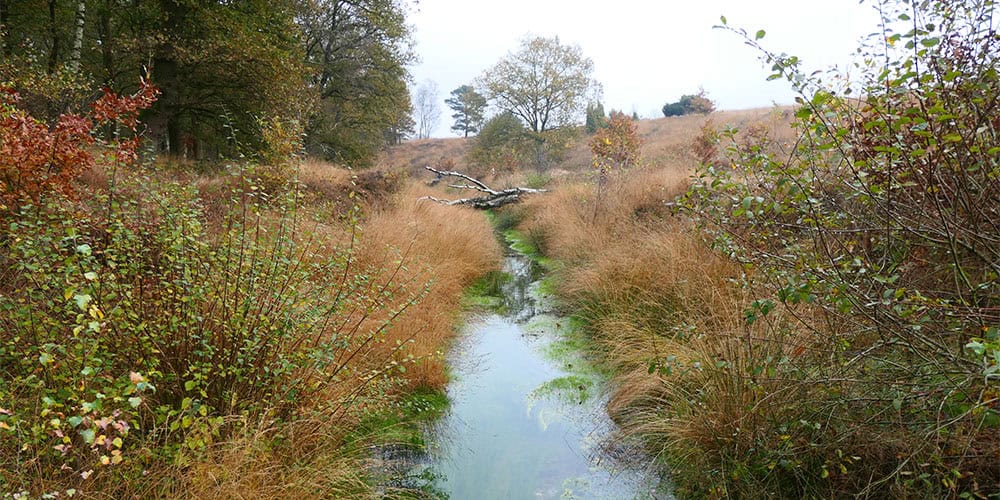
(8, 46)
(54, 35)
(166, 124)
(81, 20)
(107, 50)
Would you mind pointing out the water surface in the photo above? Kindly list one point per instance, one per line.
(525, 423)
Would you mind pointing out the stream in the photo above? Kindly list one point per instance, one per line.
(527, 416)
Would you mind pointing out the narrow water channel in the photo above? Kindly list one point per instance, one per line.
(527, 417)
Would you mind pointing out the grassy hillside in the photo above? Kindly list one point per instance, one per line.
(665, 141)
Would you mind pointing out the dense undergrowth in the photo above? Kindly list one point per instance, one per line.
(166, 331)
(816, 317)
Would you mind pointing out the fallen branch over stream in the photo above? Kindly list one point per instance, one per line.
(492, 198)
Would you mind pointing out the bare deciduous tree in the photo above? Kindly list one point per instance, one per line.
(426, 108)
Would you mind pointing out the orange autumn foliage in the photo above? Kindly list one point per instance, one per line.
(36, 159)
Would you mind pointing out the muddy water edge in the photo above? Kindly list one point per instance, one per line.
(527, 414)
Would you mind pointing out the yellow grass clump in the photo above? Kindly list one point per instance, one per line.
(666, 313)
(444, 249)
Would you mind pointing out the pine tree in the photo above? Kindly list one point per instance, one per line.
(469, 107)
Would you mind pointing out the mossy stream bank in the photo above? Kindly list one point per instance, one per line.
(527, 415)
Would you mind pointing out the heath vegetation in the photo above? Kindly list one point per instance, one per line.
(800, 301)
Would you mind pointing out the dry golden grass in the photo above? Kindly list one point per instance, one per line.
(248, 466)
(665, 142)
(655, 294)
(443, 248)
(414, 155)
(577, 224)
(322, 177)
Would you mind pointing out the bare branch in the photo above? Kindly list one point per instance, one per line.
(493, 198)
(449, 173)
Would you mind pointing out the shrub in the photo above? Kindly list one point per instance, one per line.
(866, 253)
(135, 329)
(673, 109)
(133, 340)
(36, 159)
(616, 147)
(502, 144)
(690, 104)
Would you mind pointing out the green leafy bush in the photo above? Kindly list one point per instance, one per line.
(870, 255)
(502, 144)
(136, 329)
(689, 104)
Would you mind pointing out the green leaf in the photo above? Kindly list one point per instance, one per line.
(82, 300)
(87, 435)
(760, 34)
(134, 402)
(992, 333)
(723, 19)
(90, 275)
(977, 348)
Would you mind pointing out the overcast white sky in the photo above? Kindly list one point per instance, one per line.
(646, 53)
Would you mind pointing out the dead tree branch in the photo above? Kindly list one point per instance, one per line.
(492, 199)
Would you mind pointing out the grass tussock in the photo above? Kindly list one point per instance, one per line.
(738, 397)
(446, 249)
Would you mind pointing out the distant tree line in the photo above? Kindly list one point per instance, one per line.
(332, 71)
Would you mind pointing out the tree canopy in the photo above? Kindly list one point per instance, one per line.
(545, 83)
(358, 51)
(469, 107)
(334, 69)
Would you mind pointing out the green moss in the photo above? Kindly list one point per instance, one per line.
(486, 292)
(522, 243)
(547, 286)
(400, 424)
(571, 388)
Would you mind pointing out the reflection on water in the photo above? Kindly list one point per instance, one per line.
(521, 425)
